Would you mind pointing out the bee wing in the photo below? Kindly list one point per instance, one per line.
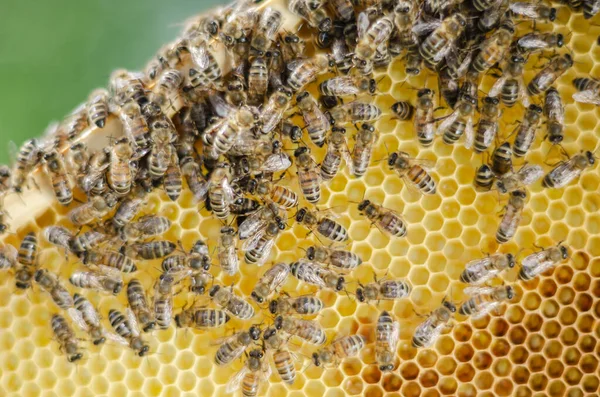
(219, 105)
(530, 173)
(523, 95)
(534, 259)
(135, 329)
(116, 338)
(497, 87)
(362, 24)
(311, 273)
(479, 262)
(338, 49)
(229, 193)
(471, 291)
(428, 330)
(235, 382)
(199, 54)
(528, 10)
(469, 134)
(532, 43)
(10, 252)
(251, 225)
(78, 319)
(266, 251)
(276, 162)
(345, 86)
(423, 28)
(253, 240)
(293, 65)
(447, 123)
(485, 308)
(587, 96)
(111, 272)
(544, 78)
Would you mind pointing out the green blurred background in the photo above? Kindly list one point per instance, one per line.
(54, 52)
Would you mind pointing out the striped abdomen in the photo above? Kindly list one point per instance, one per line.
(284, 197)
(310, 185)
(392, 224)
(285, 366)
(454, 132)
(421, 179)
(485, 135)
(332, 230)
(510, 92)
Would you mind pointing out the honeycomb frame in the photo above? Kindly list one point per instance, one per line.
(543, 342)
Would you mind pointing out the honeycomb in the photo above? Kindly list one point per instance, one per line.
(543, 342)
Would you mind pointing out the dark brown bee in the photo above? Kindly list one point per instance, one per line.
(513, 213)
(324, 226)
(66, 338)
(97, 107)
(527, 130)
(555, 68)
(502, 159)
(308, 176)
(61, 185)
(487, 128)
(555, 115)
(27, 258)
(484, 177)
(493, 49)
(386, 220)
(403, 110)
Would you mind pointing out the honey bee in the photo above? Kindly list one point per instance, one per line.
(97, 107)
(527, 130)
(173, 183)
(343, 260)
(145, 227)
(323, 225)
(266, 30)
(66, 338)
(485, 299)
(235, 345)
(194, 178)
(269, 282)
(316, 123)
(493, 49)
(280, 195)
(309, 331)
(492, 15)
(232, 303)
(27, 259)
(59, 294)
(89, 319)
(283, 359)
(348, 86)
(423, 122)
(228, 258)
(206, 69)
(502, 159)
(449, 90)
(353, 112)
(308, 176)
(544, 79)
(129, 208)
(590, 8)
(199, 281)
(109, 258)
(338, 350)
(536, 41)
(513, 212)
(312, 273)
(526, 175)
(487, 128)
(107, 280)
(28, 156)
(371, 36)
(164, 94)
(337, 149)
(221, 136)
(387, 335)
(127, 328)
(533, 11)
(127, 86)
(313, 12)
(429, 330)
(119, 171)
(413, 172)
(304, 71)
(383, 290)
(386, 220)
(292, 46)
(93, 210)
(93, 175)
(136, 297)
(58, 235)
(258, 247)
(8, 257)
(304, 305)
(220, 192)
(202, 318)
(258, 220)
(258, 79)
(343, 10)
(255, 371)
(87, 240)
(76, 161)
(273, 111)
(163, 300)
(589, 90)
(363, 149)
(479, 271)
(555, 115)
(443, 39)
(163, 135)
(537, 263)
(403, 110)
(566, 171)
(460, 122)
(70, 128)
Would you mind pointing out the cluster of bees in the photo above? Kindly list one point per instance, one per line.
(231, 130)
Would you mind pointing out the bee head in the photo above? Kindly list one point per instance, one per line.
(450, 306)
(564, 252)
(363, 204)
(273, 307)
(301, 96)
(511, 260)
(510, 292)
(214, 290)
(99, 341)
(315, 359)
(269, 333)
(300, 215)
(300, 151)
(340, 284)
(324, 39)
(360, 295)
(519, 193)
(590, 157)
(256, 297)
(560, 40)
(291, 39)
(491, 100)
(254, 332)
(178, 320)
(38, 275)
(310, 253)
(552, 15)
(296, 134)
(372, 86)
(388, 367)
(392, 160)
(535, 108)
(144, 350)
(278, 324)
(517, 59)
(423, 92)
(75, 357)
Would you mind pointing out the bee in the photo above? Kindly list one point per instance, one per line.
(304, 71)
(313, 12)
(460, 122)
(316, 123)
(145, 227)
(127, 86)
(309, 331)
(163, 135)
(484, 177)
(119, 171)
(413, 172)
(126, 328)
(87, 240)
(502, 159)
(280, 195)
(363, 149)
(194, 178)
(429, 330)
(199, 281)
(27, 259)
(537, 263)
(163, 299)
(493, 49)
(258, 79)
(353, 112)
(97, 107)
(325, 226)
(266, 30)
(348, 86)
(566, 171)
(202, 318)
(69, 129)
(526, 175)
(337, 149)
(386, 220)
(291, 45)
(283, 359)
(59, 294)
(255, 371)
(371, 36)
(66, 338)
(109, 258)
(338, 350)
(403, 110)
(8, 257)
(342, 9)
(449, 90)
(129, 208)
(163, 96)
(134, 125)
(527, 130)
(259, 220)
(312, 273)
(491, 15)
(589, 90)
(423, 121)
(221, 136)
(308, 176)
(76, 161)
(555, 113)
(479, 271)
(244, 206)
(383, 290)
(305, 305)
(441, 41)
(105, 280)
(258, 247)
(220, 192)
(234, 346)
(58, 235)
(487, 128)
(269, 282)
(232, 303)
(536, 41)
(544, 79)
(89, 319)
(273, 111)
(227, 252)
(341, 259)
(28, 156)
(513, 212)
(485, 299)
(533, 11)
(93, 177)
(387, 335)
(136, 297)
(291, 131)
(93, 210)
(590, 8)
(173, 183)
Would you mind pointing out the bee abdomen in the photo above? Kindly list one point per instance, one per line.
(453, 134)
(403, 110)
(422, 179)
(332, 230)
(308, 305)
(285, 366)
(510, 92)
